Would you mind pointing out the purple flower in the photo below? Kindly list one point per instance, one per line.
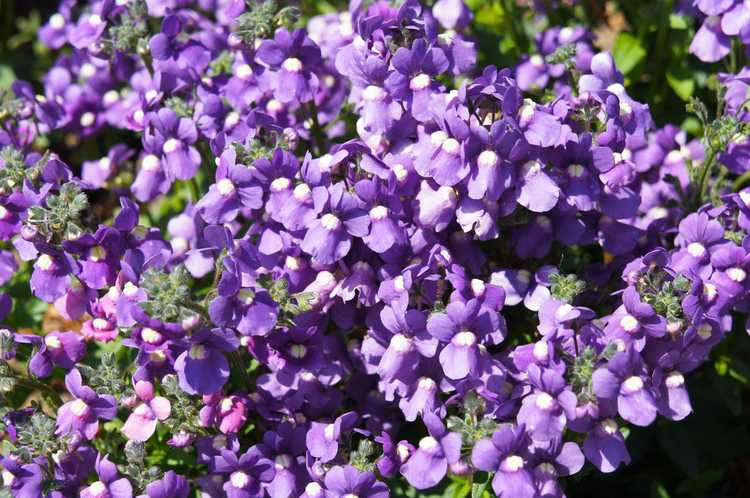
(245, 474)
(294, 57)
(170, 486)
(203, 368)
(506, 454)
(412, 79)
(605, 446)
(141, 424)
(173, 137)
(346, 481)
(56, 349)
(464, 326)
(634, 322)
(623, 385)
(82, 414)
(550, 405)
(323, 439)
(429, 463)
(330, 236)
(234, 189)
(107, 485)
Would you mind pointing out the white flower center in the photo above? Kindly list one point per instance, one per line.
(696, 249)
(402, 451)
(544, 401)
(378, 213)
(244, 71)
(419, 82)
(705, 331)
(87, 119)
(464, 338)
(633, 384)
(197, 352)
(330, 222)
(232, 119)
(225, 187)
(313, 489)
(575, 170)
(95, 20)
(399, 284)
(674, 379)
(130, 289)
(292, 64)
(374, 93)
(329, 432)
(736, 274)
(658, 212)
(400, 172)
(301, 192)
(536, 60)
(709, 291)
(426, 384)
(57, 21)
(478, 287)
(79, 408)
(97, 488)
(400, 343)
(451, 146)
(609, 426)
(298, 351)
(513, 463)
(52, 342)
(239, 479)
(541, 350)
(273, 106)
(150, 335)
(171, 145)
(629, 323)
(4, 213)
(100, 324)
(487, 159)
(150, 162)
(280, 184)
(428, 443)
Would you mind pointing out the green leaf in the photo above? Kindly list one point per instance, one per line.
(479, 488)
(627, 52)
(677, 21)
(682, 82)
(7, 76)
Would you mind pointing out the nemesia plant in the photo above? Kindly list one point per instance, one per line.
(337, 257)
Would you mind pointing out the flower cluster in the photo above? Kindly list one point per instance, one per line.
(311, 262)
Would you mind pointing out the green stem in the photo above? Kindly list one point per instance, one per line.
(741, 181)
(703, 181)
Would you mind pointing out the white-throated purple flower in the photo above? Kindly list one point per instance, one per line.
(81, 415)
(56, 349)
(605, 446)
(203, 368)
(141, 423)
(429, 463)
(245, 474)
(235, 188)
(507, 454)
(330, 237)
(294, 57)
(412, 78)
(464, 327)
(546, 410)
(623, 386)
(323, 438)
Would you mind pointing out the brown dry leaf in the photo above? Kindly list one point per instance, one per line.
(606, 33)
(53, 320)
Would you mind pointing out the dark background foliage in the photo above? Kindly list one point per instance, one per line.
(706, 455)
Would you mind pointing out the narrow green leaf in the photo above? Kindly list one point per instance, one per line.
(682, 82)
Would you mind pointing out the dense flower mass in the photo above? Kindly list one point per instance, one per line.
(315, 261)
